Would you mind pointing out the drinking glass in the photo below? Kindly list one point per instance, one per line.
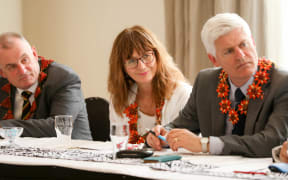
(287, 147)
(64, 127)
(119, 133)
(10, 133)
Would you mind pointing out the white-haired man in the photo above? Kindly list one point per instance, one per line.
(240, 107)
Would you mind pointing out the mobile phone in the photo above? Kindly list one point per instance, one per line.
(163, 158)
(134, 153)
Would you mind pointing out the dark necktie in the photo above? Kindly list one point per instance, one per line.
(26, 105)
(239, 127)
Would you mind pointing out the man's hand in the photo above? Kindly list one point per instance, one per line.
(183, 138)
(283, 153)
(154, 141)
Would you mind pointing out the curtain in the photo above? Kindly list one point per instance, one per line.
(278, 32)
(184, 20)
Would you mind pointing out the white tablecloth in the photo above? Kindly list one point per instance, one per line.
(225, 163)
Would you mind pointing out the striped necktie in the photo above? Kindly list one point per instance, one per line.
(239, 127)
(26, 104)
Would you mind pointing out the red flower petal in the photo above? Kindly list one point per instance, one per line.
(223, 90)
(6, 88)
(225, 105)
(243, 107)
(233, 116)
(254, 91)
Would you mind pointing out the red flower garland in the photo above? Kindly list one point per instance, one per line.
(131, 113)
(254, 91)
(6, 103)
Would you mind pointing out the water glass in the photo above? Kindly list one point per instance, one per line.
(64, 126)
(119, 133)
(10, 134)
(287, 148)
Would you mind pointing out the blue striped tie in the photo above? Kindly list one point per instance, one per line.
(26, 105)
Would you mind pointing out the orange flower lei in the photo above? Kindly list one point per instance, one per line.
(6, 103)
(131, 112)
(254, 91)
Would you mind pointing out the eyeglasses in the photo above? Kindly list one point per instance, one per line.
(147, 58)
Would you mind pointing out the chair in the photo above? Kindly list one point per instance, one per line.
(98, 116)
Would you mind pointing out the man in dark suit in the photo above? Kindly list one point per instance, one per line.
(53, 90)
(240, 106)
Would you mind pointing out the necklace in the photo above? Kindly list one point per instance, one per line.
(131, 113)
(6, 103)
(254, 90)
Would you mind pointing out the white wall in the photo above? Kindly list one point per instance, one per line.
(80, 33)
(10, 16)
(278, 37)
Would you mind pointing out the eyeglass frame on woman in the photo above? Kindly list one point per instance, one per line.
(143, 59)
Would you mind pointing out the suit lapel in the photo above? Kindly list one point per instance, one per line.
(252, 113)
(218, 122)
(254, 108)
(218, 118)
(3, 98)
(13, 91)
(3, 112)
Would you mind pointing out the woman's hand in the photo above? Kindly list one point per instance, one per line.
(154, 141)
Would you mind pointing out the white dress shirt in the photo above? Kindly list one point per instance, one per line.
(18, 103)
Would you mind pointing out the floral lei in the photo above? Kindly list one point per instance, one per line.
(6, 103)
(132, 113)
(254, 91)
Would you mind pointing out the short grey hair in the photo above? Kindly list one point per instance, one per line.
(219, 25)
(6, 41)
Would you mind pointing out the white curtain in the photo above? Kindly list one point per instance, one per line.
(278, 32)
(184, 21)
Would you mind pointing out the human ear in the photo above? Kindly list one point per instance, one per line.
(213, 60)
(2, 73)
(35, 54)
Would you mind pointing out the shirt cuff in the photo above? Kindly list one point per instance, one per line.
(276, 154)
(216, 145)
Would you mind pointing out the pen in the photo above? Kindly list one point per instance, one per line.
(251, 172)
(160, 137)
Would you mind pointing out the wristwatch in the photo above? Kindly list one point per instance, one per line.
(204, 143)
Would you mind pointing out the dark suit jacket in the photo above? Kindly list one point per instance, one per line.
(61, 94)
(266, 122)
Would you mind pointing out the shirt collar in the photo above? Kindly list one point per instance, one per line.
(243, 87)
(31, 89)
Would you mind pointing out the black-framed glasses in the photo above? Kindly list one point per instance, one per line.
(147, 58)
